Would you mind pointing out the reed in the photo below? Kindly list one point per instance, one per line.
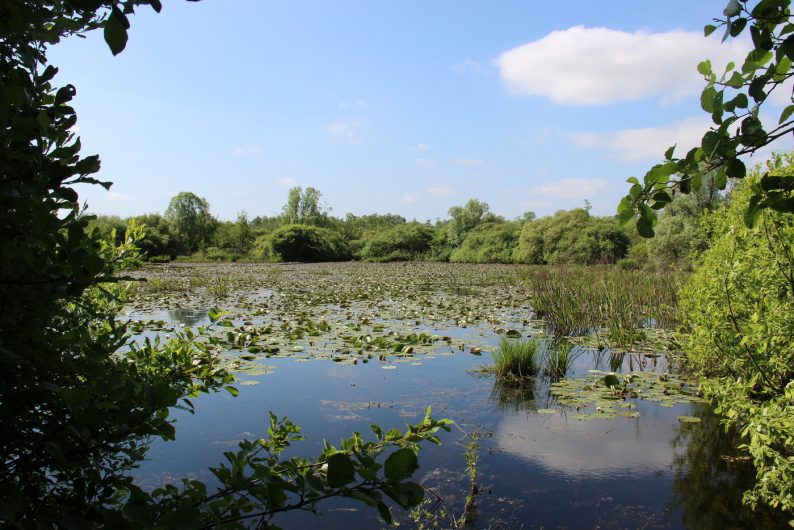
(516, 358)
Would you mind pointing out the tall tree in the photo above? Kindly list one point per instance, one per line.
(304, 207)
(464, 219)
(189, 216)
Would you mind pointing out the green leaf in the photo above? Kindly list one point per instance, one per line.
(401, 464)
(116, 31)
(406, 495)
(709, 29)
(233, 391)
(753, 211)
(625, 209)
(707, 98)
(735, 168)
(611, 380)
(340, 470)
(385, 513)
(668, 155)
(786, 114)
(704, 67)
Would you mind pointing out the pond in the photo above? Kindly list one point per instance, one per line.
(338, 347)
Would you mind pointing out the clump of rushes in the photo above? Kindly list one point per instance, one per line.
(560, 357)
(516, 358)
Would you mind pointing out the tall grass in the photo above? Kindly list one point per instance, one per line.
(560, 356)
(516, 358)
(576, 300)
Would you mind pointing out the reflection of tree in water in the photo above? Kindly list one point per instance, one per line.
(709, 482)
(188, 317)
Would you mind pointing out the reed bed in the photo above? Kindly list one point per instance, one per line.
(575, 301)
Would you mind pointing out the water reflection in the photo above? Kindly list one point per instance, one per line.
(188, 317)
(709, 481)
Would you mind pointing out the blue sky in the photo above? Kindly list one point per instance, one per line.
(402, 107)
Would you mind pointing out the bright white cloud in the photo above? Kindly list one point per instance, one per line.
(468, 162)
(347, 130)
(467, 67)
(647, 143)
(571, 188)
(597, 66)
(440, 191)
(286, 181)
(410, 198)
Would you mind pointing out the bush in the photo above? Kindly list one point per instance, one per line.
(401, 243)
(738, 307)
(308, 244)
(574, 237)
(488, 243)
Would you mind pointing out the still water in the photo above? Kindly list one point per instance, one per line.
(537, 470)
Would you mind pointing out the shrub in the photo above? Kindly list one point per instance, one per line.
(488, 243)
(401, 243)
(308, 244)
(738, 307)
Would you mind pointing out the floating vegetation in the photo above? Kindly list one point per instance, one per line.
(608, 395)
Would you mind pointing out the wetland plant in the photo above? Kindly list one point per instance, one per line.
(559, 358)
(516, 358)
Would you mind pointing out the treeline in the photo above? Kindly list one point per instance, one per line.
(305, 231)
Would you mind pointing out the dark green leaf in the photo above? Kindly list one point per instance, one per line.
(340, 470)
(786, 114)
(708, 29)
(400, 464)
(116, 31)
(385, 512)
(735, 168)
(753, 211)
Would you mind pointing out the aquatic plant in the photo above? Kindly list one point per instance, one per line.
(516, 358)
(559, 358)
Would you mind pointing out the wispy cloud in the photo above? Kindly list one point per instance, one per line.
(410, 198)
(114, 196)
(617, 65)
(647, 143)
(468, 162)
(569, 188)
(358, 103)
(286, 181)
(440, 191)
(346, 130)
(425, 163)
(423, 147)
(467, 67)
(243, 151)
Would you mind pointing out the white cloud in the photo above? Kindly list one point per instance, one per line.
(597, 66)
(440, 191)
(359, 103)
(423, 147)
(113, 196)
(571, 188)
(467, 67)
(243, 151)
(410, 198)
(346, 130)
(648, 143)
(286, 181)
(468, 162)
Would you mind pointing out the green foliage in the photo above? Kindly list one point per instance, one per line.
(739, 311)
(308, 244)
(488, 243)
(158, 239)
(401, 243)
(78, 407)
(516, 358)
(304, 207)
(572, 236)
(734, 99)
(464, 219)
(190, 218)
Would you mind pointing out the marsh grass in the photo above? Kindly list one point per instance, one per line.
(516, 358)
(575, 301)
(559, 357)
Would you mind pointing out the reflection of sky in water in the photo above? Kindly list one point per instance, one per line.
(597, 448)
